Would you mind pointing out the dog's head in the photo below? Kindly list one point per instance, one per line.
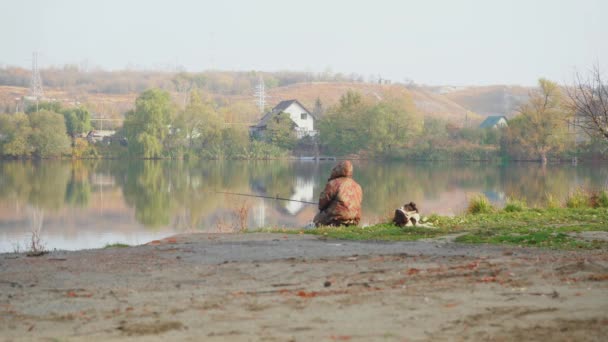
(410, 207)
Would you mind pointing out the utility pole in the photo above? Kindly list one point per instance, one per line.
(260, 95)
(36, 81)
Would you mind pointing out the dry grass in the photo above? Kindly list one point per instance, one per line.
(480, 205)
(36, 246)
(241, 213)
(237, 221)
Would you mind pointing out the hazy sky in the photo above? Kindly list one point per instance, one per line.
(434, 42)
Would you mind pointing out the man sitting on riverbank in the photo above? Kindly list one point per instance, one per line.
(340, 201)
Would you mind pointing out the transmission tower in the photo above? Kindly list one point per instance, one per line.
(36, 81)
(260, 95)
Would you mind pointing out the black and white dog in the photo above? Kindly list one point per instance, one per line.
(407, 215)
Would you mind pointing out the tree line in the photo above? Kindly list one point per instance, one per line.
(383, 126)
(45, 130)
(544, 128)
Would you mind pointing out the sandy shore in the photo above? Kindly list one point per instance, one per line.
(276, 287)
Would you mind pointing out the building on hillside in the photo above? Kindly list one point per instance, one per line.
(498, 121)
(303, 119)
(96, 136)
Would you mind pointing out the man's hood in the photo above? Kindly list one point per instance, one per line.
(343, 169)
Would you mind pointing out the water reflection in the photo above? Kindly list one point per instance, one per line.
(136, 200)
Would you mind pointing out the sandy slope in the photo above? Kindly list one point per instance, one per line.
(293, 287)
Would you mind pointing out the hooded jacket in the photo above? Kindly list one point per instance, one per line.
(342, 196)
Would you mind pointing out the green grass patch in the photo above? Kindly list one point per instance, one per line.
(542, 238)
(547, 228)
(382, 232)
(116, 245)
(386, 231)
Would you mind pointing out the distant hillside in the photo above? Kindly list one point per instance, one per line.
(111, 94)
(428, 103)
(490, 100)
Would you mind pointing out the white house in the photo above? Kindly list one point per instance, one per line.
(304, 121)
(96, 136)
(494, 122)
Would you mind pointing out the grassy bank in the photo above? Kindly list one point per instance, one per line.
(573, 227)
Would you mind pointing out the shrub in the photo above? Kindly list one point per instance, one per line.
(578, 199)
(480, 205)
(603, 200)
(599, 199)
(551, 202)
(514, 205)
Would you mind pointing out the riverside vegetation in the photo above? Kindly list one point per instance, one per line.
(386, 127)
(550, 226)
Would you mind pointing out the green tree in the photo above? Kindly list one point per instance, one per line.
(280, 131)
(391, 122)
(48, 138)
(541, 127)
(199, 122)
(357, 124)
(51, 106)
(147, 126)
(15, 131)
(77, 120)
(235, 141)
(339, 128)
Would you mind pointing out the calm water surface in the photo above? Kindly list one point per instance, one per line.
(78, 205)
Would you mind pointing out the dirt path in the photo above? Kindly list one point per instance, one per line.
(292, 287)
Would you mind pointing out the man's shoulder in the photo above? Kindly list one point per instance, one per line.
(350, 182)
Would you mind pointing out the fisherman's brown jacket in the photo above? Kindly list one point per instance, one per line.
(340, 201)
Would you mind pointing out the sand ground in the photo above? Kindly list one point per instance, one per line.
(274, 287)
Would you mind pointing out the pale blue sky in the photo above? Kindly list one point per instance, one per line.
(456, 42)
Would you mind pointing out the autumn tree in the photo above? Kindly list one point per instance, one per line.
(541, 126)
(199, 122)
(589, 103)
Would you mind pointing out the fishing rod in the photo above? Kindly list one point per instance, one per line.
(268, 197)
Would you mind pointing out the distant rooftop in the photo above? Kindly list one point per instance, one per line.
(492, 121)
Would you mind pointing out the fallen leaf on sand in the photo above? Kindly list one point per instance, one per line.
(413, 271)
(305, 294)
(598, 277)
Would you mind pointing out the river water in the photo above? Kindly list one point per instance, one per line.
(88, 204)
